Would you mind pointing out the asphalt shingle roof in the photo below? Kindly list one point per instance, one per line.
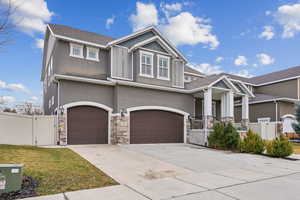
(275, 76)
(80, 35)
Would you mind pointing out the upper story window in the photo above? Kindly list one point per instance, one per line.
(163, 67)
(92, 54)
(76, 50)
(146, 64)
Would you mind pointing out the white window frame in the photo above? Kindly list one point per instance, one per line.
(151, 55)
(88, 49)
(168, 66)
(49, 103)
(76, 45)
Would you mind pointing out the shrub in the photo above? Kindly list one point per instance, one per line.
(215, 138)
(252, 143)
(225, 137)
(280, 147)
(231, 137)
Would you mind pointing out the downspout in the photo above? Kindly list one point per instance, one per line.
(276, 117)
(57, 112)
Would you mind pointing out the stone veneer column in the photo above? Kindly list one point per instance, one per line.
(62, 129)
(119, 129)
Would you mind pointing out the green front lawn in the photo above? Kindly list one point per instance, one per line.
(56, 169)
(296, 147)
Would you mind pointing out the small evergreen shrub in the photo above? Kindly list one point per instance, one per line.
(224, 137)
(279, 147)
(231, 137)
(215, 138)
(252, 143)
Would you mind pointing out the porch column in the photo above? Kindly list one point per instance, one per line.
(208, 119)
(227, 107)
(223, 106)
(245, 111)
(231, 104)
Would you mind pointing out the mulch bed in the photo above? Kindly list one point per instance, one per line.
(29, 186)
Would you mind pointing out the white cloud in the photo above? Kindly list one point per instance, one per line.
(2, 84)
(109, 21)
(219, 59)
(288, 16)
(244, 73)
(13, 87)
(184, 28)
(34, 98)
(265, 59)
(206, 68)
(268, 33)
(181, 29)
(173, 7)
(241, 61)
(30, 15)
(146, 15)
(268, 12)
(39, 43)
(7, 99)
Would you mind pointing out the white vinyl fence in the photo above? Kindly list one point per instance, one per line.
(27, 130)
(267, 130)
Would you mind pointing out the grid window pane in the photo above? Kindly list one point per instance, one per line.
(146, 64)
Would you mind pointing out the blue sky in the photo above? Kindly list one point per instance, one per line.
(248, 37)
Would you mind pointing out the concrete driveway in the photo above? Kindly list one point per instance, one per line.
(187, 172)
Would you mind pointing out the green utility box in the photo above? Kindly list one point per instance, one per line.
(10, 177)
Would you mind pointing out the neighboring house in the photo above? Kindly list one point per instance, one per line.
(276, 95)
(134, 89)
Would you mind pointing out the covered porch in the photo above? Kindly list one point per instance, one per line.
(215, 103)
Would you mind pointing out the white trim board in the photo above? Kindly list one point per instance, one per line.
(193, 74)
(273, 100)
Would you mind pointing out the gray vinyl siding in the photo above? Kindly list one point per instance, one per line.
(65, 64)
(132, 96)
(286, 108)
(51, 91)
(282, 89)
(71, 91)
(129, 43)
(155, 46)
(221, 84)
(267, 109)
(121, 65)
(260, 110)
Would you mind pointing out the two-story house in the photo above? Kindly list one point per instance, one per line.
(134, 89)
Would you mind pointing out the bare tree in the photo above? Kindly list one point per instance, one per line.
(6, 25)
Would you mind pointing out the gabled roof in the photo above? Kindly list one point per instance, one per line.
(142, 31)
(69, 32)
(289, 73)
(236, 77)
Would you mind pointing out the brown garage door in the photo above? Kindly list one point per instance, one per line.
(156, 126)
(87, 125)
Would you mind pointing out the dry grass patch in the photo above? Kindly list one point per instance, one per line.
(56, 169)
(296, 147)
